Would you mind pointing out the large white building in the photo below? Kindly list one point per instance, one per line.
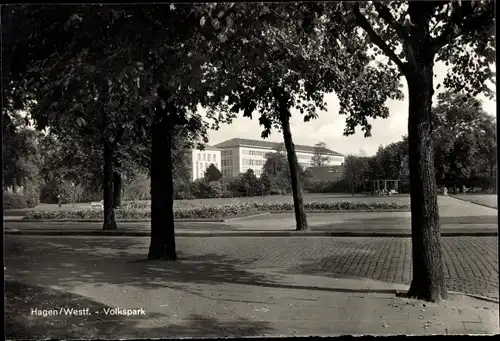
(239, 155)
(200, 160)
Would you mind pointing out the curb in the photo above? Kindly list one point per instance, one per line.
(472, 202)
(117, 220)
(345, 211)
(118, 233)
(477, 297)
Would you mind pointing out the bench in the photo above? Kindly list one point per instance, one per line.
(97, 204)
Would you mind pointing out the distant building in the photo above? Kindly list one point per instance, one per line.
(201, 159)
(239, 155)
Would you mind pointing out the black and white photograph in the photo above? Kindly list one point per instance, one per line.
(249, 169)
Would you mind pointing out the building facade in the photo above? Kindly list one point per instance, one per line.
(239, 155)
(200, 160)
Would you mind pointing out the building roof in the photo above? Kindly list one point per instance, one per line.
(208, 147)
(237, 142)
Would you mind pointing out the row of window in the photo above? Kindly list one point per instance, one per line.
(254, 152)
(209, 157)
(226, 163)
(229, 172)
(227, 152)
(203, 166)
(249, 162)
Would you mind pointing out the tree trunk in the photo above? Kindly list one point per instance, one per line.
(428, 278)
(109, 210)
(162, 211)
(117, 190)
(298, 200)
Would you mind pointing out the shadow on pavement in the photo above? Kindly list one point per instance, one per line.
(20, 298)
(116, 261)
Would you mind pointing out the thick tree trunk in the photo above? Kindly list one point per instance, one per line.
(162, 211)
(117, 190)
(428, 278)
(109, 210)
(298, 200)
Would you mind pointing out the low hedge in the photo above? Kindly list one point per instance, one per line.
(218, 211)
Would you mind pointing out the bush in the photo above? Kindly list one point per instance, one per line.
(133, 210)
(323, 186)
(17, 201)
(49, 191)
(136, 189)
(215, 189)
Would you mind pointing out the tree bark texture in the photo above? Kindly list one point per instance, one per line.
(162, 212)
(117, 189)
(108, 171)
(428, 277)
(298, 199)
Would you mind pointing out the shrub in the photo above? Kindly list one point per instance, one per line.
(49, 191)
(324, 186)
(17, 200)
(133, 210)
(215, 189)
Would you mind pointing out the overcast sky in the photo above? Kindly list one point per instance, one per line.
(329, 126)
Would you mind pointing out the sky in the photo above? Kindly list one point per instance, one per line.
(329, 126)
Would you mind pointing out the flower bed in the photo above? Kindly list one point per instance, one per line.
(219, 211)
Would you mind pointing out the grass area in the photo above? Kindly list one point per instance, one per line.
(308, 198)
(488, 200)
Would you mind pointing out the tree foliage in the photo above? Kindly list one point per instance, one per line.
(20, 152)
(356, 172)
(212, 173)
(319, 158)
(464, 138)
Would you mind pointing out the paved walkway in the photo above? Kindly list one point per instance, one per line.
(216, 289)
(488, 200)
(471, 263)
(336, 224)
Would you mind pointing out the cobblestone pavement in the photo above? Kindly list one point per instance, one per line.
(471, 263)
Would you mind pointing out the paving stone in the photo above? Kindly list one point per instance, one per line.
(480, 328)
(239, 282)
(471, 263)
